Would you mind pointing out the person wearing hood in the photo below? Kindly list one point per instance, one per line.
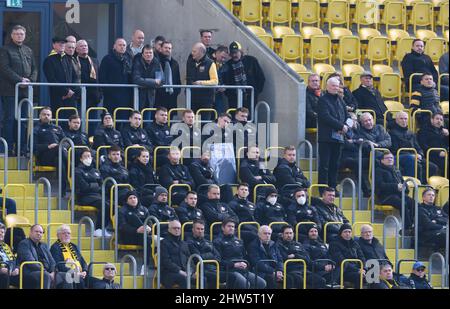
(234, 267)
(161, 209)
(417, 62)
(301, 211)
(134, 135)
(253, 171)
(433, 221)
(59, 69)
(418, 278)
(317, 250)
(148, 74)
(142, 174)
(167, 97)
(401, 137)
(106, 135)
(115, 68)
(288, 173)
(269, 210)
(88, 190)
(131, 220)
(388, 188)
(345, 247)
(174, 257)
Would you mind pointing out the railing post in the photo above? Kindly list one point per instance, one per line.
(310, 156)
(136, 98)
(19, 134)
(133, 262)
(5, 161)
(105, 181)
(91, 237)
(48, 186)
(397, 228)
(188, 98)
(72, 167)
(416, 198)
(352, 183)
(240, 98)
(268, 119)
(83, 108)
(443, 267)
(360, 196)
(158, 250)
(189, 271)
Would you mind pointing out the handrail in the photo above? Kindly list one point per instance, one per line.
(325, 229)
(114, 214)
(310, 190)
(97, 155)
(277, 223)
(360, 196)
(72, 185)
(410, 83)
(177, 185)
(198, 272)
(352, 183)
(48, 185)
(189, 270)
(246, 223)
(413, 117)
(297, 227)
(91, 236)
(290, 261)
(397, 228)
(147, 109)
(158, 249)
(361, 267)
(416, 213)
(118, 109)
(65, 108)
(268, 119)
(399, 263)
(155, 154)
(133, 262)
(105, 181)
(126, 153)
(42, 270)
(310, 157)
(19, 132)
(261, 185)
(443, 266)
(202, 110)
(86, 123)
(428, 161)
(5, 195)
(183, 228)
(415, 159)
(5, 161)
(211, 229)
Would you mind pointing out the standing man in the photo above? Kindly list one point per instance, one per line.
(59, 69)
(206, 39)
(242, 70)
(201, 71)
(313, 94)
(89, 73)
(167, 97)
(136, 44)
(332, 127)
(16, 65)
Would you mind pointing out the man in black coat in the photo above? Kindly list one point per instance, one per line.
(188, 210)
(142, 177)
(432, 221)
(253, 171)
(161, 209)
(332, 126)
(345, 247)
(417, 62)
(167, 97)
(203, 247)
(115, 68)
(107, 283)
(174, 256)
(106, 135)
(74, 132)
(435, 135)
(388, 188)
(88, 190)
(113, 167)
(374, 133)
(58, 69)
(313, 93)
(370, 245)
(370, 98)
(329, 212)
(426, 98)
(159, 134)
(270, 210)
(134, 135)
(9, 270)
(202, 172)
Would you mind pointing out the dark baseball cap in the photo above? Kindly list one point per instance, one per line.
(58, 39)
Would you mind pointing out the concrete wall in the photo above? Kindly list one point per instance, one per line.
(180, 20)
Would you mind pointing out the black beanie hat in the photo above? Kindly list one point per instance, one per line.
(270, 190)
(312, 226)
(130, 193)
(106, 113)
(344, 227)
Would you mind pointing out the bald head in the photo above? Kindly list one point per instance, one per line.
(401, 118)
(198, 51)
(120, 46)
(138, 38)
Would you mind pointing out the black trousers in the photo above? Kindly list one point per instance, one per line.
(96, 201)
(7, 280)
(295, 278)
(329, 157)
(396, 202)
(170, 279)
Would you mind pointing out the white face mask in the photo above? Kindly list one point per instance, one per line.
(301, 200)
(272, 200)
(87, 161)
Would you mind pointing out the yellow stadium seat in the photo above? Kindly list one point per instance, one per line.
(394, 105)
(435, 48)
(403, 47)
(378, 50)
(367, 13)
(251, 11)
(397, 34)
(379, 69)
(297, 67)
(425, 34)
(422, 15)
(337, 32)
(308, 32)
(267, 39)
(338, 13)
(323, 68)
(320, 49)
(257, 30)
(444, 107)
(228, 4)
(279, 31)
(309, 12)
(355, 81)
(349, 69)
(438, 182)
(390, 85)
(442, 19)
(349, 49)
(292, 48)
(367, 33)
(304, 75)
(394, 15)
(280, 12)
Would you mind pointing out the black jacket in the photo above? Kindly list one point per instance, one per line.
(289, 173)
(201, 173)
(317, 251)
(257, 252)
(88, 181)
(162, 211)
(342, 249)
(230, 248)
(432, 220)
(386, 182)
(16, 62)
(44, 135)
(28, 251)
(57, 255)
(349, 99)
(186, 213)
(331, 118)
(377, 135)
(373, 101)
(249, 169)
(243, 208)
(298, 250)
(419, 283)
(105, 284)
(432, 137)
(200, 71)
(403, 138)
(302, 213)
(141, 175)
(78, 138)
(159, 134)
(205, 249)
(330, 213)
(266, 213)
(373, 250)
(215, 211)
(163, 98)
(425, 98)
(144, 75)
(132, 136)
(168, 173)
(107, 137)
(129, 220)
(174, 255)
(116, 171)
(312, 108)
(93, 94)
(417, 63)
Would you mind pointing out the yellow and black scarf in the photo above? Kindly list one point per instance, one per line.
(92, 73)
(68, 251)
(7, 250)
(390, 285)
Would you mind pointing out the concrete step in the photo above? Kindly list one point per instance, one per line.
(99, 255)
(29, 203)
(128, 281)
(18, 177)
(404, 254)
(14, 192)
(12, 162)
(360, 215)
(304, 164)
(57, 216)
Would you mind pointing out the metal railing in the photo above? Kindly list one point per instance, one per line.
(72, 167)
(352, 183)
(268, 119)
(105, 181)
(443, 267)
(325, 228)
(5, 161)
(48, 186)
(310, 156)
(91, 236)
(114, 214)
(291, 261)
(122, 264)
(41, 278)
(30, 132)
(247, 223)
(416, 214)
(397, 228)
(361, 267)
(156, 223)
(200, 271)
(360, 196)
(297, 227)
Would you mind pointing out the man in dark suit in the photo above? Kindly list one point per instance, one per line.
(107, 283)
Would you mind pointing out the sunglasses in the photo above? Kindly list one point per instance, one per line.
(420, 269)
(110, 268)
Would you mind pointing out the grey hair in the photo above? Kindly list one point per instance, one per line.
(333, 80)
